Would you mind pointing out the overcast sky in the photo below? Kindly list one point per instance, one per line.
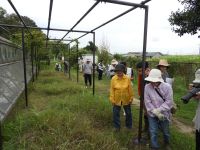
(122, 35)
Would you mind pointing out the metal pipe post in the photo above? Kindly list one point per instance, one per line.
(69, 62)
(36, 69)
(77, 62)
(38, 63)
(143, 75)
(32, 61)
(93, 50)
(24, 62)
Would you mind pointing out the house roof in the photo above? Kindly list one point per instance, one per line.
(138, 54)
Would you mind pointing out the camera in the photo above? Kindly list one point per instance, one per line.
(195, 89)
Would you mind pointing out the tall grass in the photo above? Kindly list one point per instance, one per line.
(63, 115)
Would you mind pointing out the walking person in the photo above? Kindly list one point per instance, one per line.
(121, 95)
(66, 66)
(163, 66)
(100, 69)
(87, 73)
(111, 68)
(196, 119)
(158, 98)
(128, 71)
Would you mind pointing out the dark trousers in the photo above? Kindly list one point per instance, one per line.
(116, 116)
(100, 74)
(197, 140)
(88, 78)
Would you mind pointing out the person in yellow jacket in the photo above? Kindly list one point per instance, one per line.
(121, 94)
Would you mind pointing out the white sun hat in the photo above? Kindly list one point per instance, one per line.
(154, 76)
(197, 77)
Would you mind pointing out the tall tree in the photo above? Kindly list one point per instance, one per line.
(3, 14)
(188, 19)
(90, 47)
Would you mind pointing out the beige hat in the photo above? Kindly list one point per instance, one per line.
(154, 76)
(114, 62)
(197, 77)
(163, 62)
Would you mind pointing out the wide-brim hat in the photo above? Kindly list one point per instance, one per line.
(163, 62)
(114, 62)
(197, 77)
(154, 76)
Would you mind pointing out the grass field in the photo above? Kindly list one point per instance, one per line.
(63, 115)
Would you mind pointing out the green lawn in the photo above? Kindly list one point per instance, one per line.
(63, 115)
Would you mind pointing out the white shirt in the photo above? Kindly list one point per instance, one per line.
(129, 72)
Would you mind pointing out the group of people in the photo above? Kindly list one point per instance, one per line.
(158, 96)
(58, 66)
(87, 69)
(158, 100)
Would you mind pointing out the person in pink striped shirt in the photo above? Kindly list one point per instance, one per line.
(158, 99)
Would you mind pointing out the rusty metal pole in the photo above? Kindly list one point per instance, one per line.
(69, 62)
(32, 61)
(143, 75)
(93, 50)
(24, 63)
(36, 69)
(77, 62)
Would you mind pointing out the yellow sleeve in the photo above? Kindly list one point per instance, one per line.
(111, 92)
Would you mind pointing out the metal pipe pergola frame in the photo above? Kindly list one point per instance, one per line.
(49, 19)
(133, 5)
(43, 28)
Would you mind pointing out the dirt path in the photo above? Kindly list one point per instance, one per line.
(179, 125)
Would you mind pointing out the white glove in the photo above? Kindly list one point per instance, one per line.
(161, 116)
(156, 111)
(158, 114)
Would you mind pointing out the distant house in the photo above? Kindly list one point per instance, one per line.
(139, 54)
(90, 57)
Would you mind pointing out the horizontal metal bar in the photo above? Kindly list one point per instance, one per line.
(19, 16)
(60, 39)
(91, 8)
(41, 28)
(120, 15)
(5, 30)
(123, 3)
